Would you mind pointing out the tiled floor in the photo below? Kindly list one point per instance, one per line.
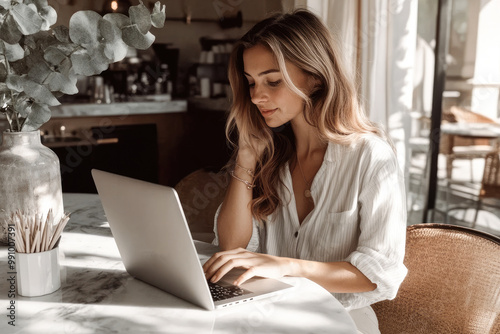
(462, 196)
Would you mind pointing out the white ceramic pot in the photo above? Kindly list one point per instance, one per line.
(30, 178)
(38, 274)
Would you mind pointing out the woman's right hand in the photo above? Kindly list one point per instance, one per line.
(250, 149)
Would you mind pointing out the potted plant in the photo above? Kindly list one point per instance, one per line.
(39, 63)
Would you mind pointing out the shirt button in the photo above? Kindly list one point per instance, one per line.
(296, 234)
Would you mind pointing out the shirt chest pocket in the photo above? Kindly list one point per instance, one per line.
(347, 217)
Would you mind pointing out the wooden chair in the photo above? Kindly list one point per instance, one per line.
(467, 148)
(201, 193)
(490, 185)
(452, 286)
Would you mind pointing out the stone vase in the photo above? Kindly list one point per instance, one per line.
(30, 178)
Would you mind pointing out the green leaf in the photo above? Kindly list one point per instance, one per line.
(55, 55)
(158, 15)
(140, 16)
(27, 19)
(37, 3)
(37, 92)
(115, 48)
(133, 37)
(118, 19)
(22, 105)
(83, 27)
(39, 72)
(13, 52)
(61, 33)
(84, 64)
(5, 4)
(46, 12)
(3, 73)
(40, 114)
(49, 16)
(60, 83)
(9, 31)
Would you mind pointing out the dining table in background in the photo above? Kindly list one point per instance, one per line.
(97, 295)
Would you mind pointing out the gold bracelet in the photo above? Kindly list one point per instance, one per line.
(249, 171)
(248, 184)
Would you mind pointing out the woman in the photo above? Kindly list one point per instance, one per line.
(316, 190)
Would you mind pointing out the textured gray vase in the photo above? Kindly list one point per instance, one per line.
(30, 178)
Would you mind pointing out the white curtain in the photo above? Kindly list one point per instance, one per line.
(379, 40)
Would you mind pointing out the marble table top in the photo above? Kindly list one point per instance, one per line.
(97, 295)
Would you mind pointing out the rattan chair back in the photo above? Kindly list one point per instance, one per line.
(490, 186)
(452, 286)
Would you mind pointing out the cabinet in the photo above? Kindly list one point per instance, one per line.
(160, 148)
(129, 150)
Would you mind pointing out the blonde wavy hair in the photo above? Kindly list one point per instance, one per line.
(332, 108)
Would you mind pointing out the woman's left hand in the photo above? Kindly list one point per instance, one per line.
(257, 264)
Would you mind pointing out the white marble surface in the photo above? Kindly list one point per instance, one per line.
(119, 108)
(98, 296)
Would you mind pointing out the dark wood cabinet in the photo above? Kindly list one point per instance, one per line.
(160, 148)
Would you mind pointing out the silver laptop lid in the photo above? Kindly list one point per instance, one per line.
(152, 236)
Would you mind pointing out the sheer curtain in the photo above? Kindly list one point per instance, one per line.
(379, 41)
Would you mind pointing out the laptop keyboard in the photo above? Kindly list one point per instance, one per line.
(220, 292)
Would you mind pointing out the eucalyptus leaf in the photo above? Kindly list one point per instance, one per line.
(39, 72)
(13, 52)
(6, 4)
(20, 66)
(133, 37)
(23, 106)
(28, 21)
(46, 12)
(58, 82)
(115, 48)
(140, 16)
(61, 33)
(118, 19)
(55, 55)
(9, 31)
(158, 15)
(5, 96)
(3, 73)
(30, 42)
(83, 27)
(84, 64)
(37, 92)
(40, 114)
(49, 16)
(37, 3)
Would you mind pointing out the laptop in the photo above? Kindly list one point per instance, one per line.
(155, 244)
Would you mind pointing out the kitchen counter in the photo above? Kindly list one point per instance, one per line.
(119, 108)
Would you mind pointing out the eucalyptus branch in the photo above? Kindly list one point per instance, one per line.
(9, 119)
(86, 47)
(7, 65)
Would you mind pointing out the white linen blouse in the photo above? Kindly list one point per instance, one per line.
(359, 217)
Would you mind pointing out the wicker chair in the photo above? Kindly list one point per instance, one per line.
(458, 147)
(201, 193)
(490, 186)
(453, 283)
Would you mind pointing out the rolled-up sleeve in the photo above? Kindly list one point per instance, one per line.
(253, 244)
(381, 247)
